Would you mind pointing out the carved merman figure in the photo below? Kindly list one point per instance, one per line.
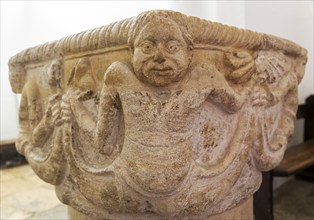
(40, 136)
(159, 97)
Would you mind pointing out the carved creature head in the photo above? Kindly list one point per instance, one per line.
(81, 76)
(54, 73)
(17, 77)
(161, 52)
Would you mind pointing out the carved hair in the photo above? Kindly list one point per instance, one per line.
(145, 18)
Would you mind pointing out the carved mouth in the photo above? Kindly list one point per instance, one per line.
(160, 71)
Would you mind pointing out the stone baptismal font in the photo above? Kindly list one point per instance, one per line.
(160, 116)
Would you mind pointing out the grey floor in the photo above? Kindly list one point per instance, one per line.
(294, 201)
(25, 196)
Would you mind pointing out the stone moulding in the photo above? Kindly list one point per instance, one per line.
(162, 115)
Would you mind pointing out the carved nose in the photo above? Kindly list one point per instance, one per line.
(159, 57)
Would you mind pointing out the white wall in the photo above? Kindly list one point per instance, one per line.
(29, 23)
(14, 29)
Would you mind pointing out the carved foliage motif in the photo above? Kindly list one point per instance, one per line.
(168, 133)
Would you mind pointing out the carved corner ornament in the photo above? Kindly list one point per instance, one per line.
(161, 115)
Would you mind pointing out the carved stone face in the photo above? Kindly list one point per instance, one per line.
(54, 74)
(17, 78)
(161, 54)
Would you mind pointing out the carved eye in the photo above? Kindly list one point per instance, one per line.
(173, 46)
(147, 47)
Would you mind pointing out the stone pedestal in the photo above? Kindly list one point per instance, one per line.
(160, 116)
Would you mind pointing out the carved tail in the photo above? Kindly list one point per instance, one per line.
(269, 149)
(49, 166)
(91, 181)
(240, 146)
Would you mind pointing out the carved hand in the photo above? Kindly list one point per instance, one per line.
(241, 64)
(69, 100)
(270, 66)
(71, 104)
(52, 115)
(66, 112)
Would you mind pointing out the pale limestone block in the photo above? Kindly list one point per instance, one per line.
(160, 116)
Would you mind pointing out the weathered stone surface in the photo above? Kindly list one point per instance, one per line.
(157, 116)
